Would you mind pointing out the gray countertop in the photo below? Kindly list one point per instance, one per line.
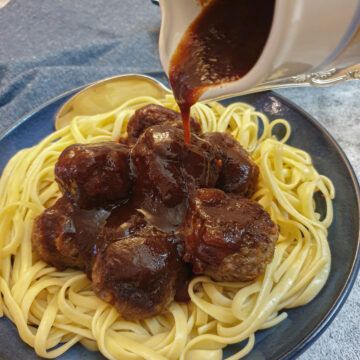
(48, 47)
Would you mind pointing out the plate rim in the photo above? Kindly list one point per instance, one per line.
(342, 296)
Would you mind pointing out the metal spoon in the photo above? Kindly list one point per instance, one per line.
(107, 94)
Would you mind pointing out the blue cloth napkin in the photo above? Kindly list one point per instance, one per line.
(48, 47)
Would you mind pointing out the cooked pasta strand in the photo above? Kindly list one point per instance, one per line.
(54, 310)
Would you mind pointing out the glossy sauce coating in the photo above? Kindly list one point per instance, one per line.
(168, 169)
(153, 114)
(131, 238)
(94, 175)
(239, 173)
(138, 274)
(221, 45)
(66, 236)
(227, 237)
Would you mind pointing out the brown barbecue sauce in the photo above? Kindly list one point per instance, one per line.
(221, 45)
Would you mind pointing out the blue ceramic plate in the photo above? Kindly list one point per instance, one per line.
(304, 324)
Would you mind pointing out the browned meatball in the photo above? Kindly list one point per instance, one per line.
(226, 237)
(138, 274)
(66, 236)
(166, 168)
(239, 173)
(155, 115)
(94, 175)
(53, 236)
(156, 160)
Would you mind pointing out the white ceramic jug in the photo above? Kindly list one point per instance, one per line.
(311, 43)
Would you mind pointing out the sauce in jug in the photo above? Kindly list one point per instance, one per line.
(221, 45)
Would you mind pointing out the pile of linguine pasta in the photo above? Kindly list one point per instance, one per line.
(54, 310)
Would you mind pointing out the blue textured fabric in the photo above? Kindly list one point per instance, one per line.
(48, 47)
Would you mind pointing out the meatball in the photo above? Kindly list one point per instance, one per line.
(94, 175)
(66, 236)
(155, 115)
(156, 164)
(226, 237)
(138, 273)
(167, 168)
(239, 173)
(53, 236)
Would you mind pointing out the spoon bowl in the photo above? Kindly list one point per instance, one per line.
(107, 94)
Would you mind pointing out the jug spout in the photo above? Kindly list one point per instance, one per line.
(308, 44)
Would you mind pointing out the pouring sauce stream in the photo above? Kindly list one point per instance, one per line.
(221, 45)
